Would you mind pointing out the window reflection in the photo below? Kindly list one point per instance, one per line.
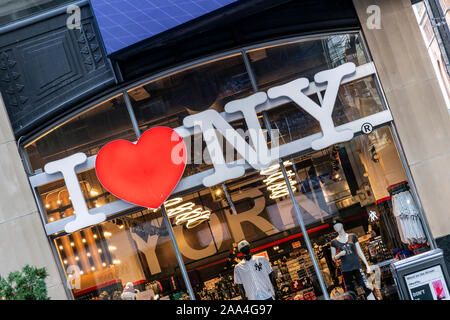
(355, 180)
(351, 180)
(56, 200)
(87, 132)
(279, 64)
(168, 100)
(355, 100)
(247, 208)
(108, 256)
(291, 122)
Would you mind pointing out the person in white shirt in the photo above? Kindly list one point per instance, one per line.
(254, 276)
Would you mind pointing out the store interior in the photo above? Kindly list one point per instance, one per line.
(359, 181)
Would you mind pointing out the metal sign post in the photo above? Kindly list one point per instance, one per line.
(184, 273)
(305, 235)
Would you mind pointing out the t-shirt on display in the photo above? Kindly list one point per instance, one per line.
(254, 276)
(350, 261)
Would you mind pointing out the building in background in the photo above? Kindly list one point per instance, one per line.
(74, 78)
(432, 45)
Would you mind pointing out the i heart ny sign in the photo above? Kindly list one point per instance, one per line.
(146, 172)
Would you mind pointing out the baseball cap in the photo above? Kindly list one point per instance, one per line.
(242, 244)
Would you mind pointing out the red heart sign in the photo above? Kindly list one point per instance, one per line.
(144, 173)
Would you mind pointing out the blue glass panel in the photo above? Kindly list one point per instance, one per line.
(125, 22)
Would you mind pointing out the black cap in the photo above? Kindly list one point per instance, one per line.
(336, 221)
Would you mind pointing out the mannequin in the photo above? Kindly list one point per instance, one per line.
(254, 276)
(350, 254)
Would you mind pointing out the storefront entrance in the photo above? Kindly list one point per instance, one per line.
(362, 181)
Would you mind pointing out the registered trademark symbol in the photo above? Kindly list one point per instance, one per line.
(366, 128)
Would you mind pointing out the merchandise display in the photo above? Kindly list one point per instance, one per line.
(346, 250)
(296, 280)
(254, 275)
(333, 187)
(407, 217)
(156, 287)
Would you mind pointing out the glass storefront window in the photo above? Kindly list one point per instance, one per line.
(103, 259)
(279, 64)
(168, 100)
(87, 132)
(56, 200)
(353, 181)
(355, 100)
(362, 182)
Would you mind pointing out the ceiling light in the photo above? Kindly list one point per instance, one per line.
(81, 272)
(93, 193)
(186, 213)
(95, 236)
(112, 248)
(104, 264)
(172, 202)
(277, 185)
(61, 247)
(107, 234)
(116, 261)
(76, 258)
(93, 268)
(88, 254)
(72, 244)
(99, 250)
(83, 240)
(47, 205)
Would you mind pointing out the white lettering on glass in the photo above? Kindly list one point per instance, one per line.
(258, 157)
(67, 166)
(255, 153)
(293, 90)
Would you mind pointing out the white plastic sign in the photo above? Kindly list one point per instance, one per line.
(257, 154)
